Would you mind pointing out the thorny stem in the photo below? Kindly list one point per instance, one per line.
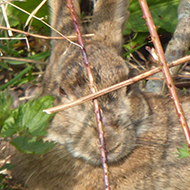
(95, 101)
(156, 41)
(113, 87)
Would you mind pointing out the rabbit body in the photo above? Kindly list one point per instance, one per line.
(141, 130)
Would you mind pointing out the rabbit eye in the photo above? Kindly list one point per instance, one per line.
(62, 92)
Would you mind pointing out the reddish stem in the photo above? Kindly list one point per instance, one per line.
(95, 101)
(156, 41)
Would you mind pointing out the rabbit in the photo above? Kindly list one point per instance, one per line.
(141, 129)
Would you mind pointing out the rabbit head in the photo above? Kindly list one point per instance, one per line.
(75, 128)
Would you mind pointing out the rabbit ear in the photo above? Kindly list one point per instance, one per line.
(108, 21)
(61, 18)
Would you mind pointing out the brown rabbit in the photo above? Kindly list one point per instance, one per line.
(141, 130)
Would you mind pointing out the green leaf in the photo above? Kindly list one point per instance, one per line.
(29, 6)
(3, 65)
(34, 119)
(8, 130)
(13, 124)
(29, 118)
(136, 43)
(164, 15)
(14, 80)
(4, 48)
(183, 153)
(24, 80)
(38, 56)
(30, 146)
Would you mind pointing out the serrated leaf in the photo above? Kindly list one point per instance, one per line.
(8, 130)
(39, 130)
(34, 119)
(183, 153)
(29, 118)
(29, 146)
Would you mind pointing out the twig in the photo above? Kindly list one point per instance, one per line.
(95, 101)
(6, 160)
(156, 41)
(41, 20)
(114, 87)
(41, 36)
(6, 19)
(34, 12)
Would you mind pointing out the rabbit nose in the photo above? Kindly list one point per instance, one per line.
(107, 119)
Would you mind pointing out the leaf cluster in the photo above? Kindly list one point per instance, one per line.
(27, 124)
(164, 15)
(183, 153)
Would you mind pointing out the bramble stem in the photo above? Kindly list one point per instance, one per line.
(102, 146)
(156, 41)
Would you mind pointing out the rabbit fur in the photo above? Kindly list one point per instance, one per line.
(141, 130)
